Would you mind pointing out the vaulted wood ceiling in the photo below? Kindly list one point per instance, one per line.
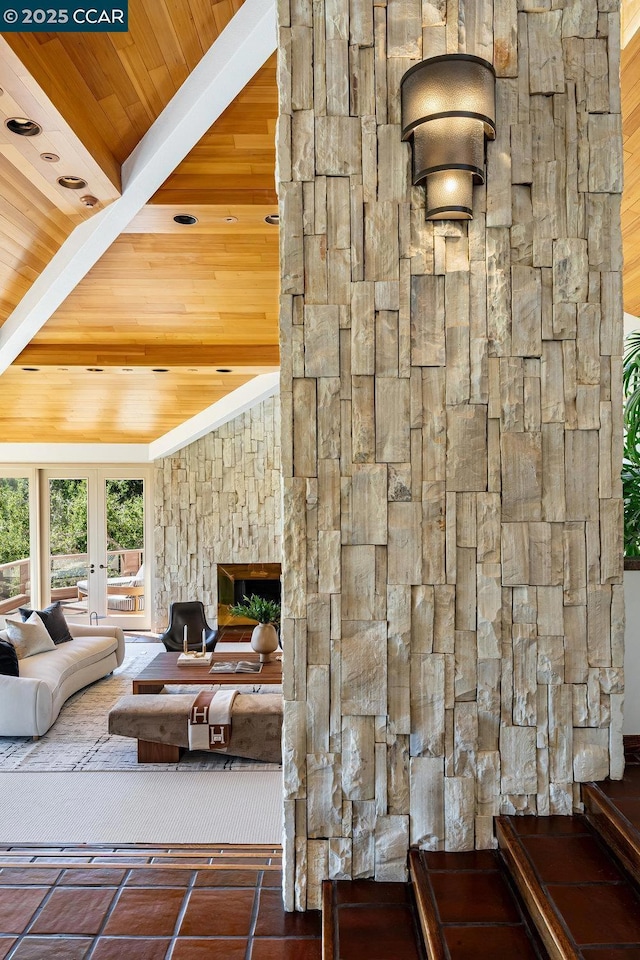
(631, 194)
(191, 299)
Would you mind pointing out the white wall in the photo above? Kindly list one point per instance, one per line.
(632, 652)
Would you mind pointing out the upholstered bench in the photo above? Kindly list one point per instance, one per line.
(160, 724)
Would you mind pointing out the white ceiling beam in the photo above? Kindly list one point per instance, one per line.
(228, 408)
(45, 453)
(241, 49)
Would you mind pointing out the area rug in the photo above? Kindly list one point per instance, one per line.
(162, 808)
(79, 739)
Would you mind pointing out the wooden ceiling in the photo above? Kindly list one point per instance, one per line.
(112, 86)
(630, 74)
(103, 406)
(189, 299)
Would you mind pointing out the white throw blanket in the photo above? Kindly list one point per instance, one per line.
(210, 720)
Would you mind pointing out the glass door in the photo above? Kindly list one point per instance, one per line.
(68, 574)
(123, 500)
(94, 544)
(17, 541)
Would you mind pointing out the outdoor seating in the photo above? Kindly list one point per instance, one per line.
(123, 593)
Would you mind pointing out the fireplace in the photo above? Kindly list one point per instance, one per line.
(237, 580)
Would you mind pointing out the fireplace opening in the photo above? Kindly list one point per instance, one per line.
(239, 580)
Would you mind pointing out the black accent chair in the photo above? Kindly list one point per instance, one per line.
(189, 613)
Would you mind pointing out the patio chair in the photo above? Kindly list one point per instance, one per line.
(123, 593)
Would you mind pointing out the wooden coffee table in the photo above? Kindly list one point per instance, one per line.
(164, 671)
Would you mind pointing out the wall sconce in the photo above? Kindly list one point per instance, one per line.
(448, 107)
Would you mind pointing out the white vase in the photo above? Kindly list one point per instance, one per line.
(264, 640)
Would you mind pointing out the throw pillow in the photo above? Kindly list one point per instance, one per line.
(8, 660)
(53, 619)
(29, 636)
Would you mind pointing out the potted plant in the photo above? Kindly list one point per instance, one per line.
(264, 639)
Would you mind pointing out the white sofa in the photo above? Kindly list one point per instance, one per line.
(30, 703)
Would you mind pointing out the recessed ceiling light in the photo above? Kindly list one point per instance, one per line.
(31, 369)
(223, 370)
(273, 218)
(50, 157)
(89, 201)
(185, 219)
(95, 369)
(230, 219)
(72, 183)
(160, 369)
(23, 127)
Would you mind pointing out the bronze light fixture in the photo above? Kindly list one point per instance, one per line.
(23, 127)
(448, 108)
(72, 183)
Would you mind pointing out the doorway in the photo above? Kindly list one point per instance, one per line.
(79, 535)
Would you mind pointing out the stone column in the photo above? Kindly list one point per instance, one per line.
(451, 424)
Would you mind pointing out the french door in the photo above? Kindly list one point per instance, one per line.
(78, 535)
(94, 537)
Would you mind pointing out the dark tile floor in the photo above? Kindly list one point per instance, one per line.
(480, 918)
(374, 921)
(577, 874)
(142, 904)
(625, 794)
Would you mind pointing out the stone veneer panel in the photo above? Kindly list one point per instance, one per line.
(451, 423)
(217, 501)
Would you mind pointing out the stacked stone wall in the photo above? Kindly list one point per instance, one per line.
(451, 423)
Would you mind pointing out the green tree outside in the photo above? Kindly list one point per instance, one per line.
(68, 511)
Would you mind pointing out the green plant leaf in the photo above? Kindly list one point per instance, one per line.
(257, 608)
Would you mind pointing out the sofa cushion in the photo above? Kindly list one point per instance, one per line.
(8, 659)
(54, 667)
(53, 619)
(29, 636)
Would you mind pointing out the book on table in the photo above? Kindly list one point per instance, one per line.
(237, 666)
(194, 658)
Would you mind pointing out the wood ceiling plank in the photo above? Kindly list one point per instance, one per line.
(198, 289)
(97, 79)
(212, 218)
(54, 69)
(108, 407)
(243, 47)
(630, 81)
(235, 161)
(630, 17)
(21, 96)
(157, 280)
(252, 358)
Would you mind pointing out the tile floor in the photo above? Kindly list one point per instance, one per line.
(577, 873)
(479, 915)
(375, 921)
(625, 794)
(159, 905)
